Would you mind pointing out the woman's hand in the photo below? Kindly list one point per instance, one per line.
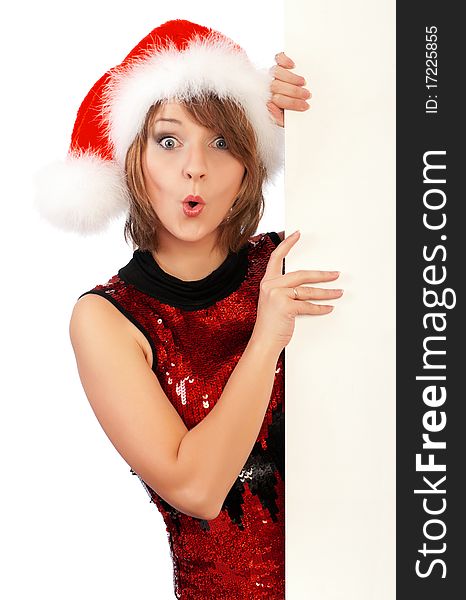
(287, 89)
(279, 303)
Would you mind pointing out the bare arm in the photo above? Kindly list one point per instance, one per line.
(223, 440)
(218, 447)
(220, 444)
(192, 472)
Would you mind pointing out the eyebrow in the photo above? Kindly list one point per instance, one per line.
(170, 121)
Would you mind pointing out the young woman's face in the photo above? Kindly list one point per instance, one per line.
(183, 158)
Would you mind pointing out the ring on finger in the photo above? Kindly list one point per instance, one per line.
(295, 293)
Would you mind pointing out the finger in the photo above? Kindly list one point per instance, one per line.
(288, 103)
(283, 60)
(296, 278)
(284, 75)
(312, 293)
(277, 113)
(307, 308)
(274, 266)
(289, 89)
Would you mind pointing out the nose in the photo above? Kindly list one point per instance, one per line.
(195, 166)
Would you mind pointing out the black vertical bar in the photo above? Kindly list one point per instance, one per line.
(430, 120)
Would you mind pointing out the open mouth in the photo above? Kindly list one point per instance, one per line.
(192, 208)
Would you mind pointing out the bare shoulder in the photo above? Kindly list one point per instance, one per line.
(96, 311)
(130, 404)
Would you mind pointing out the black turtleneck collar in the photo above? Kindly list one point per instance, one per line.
(146, 275)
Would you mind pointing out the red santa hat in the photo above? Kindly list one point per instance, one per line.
(178, 60)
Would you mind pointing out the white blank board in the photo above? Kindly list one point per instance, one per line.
(340, 369)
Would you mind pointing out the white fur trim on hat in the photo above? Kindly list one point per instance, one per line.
(210, 64)
(81, 194)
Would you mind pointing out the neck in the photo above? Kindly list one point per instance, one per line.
(188, 261)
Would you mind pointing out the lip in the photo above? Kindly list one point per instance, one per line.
(192, 211)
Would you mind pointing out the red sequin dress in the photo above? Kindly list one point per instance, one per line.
(198, 331)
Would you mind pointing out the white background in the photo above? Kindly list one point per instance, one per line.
(74, 522)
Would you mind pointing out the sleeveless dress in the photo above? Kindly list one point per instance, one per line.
(198, 331)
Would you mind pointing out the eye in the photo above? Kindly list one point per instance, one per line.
(223, 142)
(166, 141)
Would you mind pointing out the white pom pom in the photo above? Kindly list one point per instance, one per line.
(81, 194)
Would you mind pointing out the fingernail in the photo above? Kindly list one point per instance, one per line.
(288, 59)
(297, 232)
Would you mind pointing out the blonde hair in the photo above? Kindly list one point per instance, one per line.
(229, 118)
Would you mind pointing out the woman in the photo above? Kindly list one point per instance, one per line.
(181, 353)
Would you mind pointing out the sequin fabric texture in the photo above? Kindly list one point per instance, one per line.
(240, 554)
